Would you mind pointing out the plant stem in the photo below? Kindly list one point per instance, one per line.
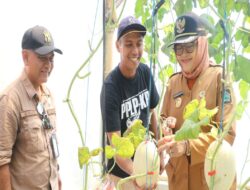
(245, 183)
(112, 166)
(123, 7)
(97, 163)
(124, 180)
(68, 100)
(216, 12)
(244, 165)
(86, 177)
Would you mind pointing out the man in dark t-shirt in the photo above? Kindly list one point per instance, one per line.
(128, 93)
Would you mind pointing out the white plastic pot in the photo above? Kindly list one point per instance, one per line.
(146, 161)
(225, 168)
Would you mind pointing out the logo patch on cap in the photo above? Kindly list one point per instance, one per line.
(180, 25)
(47, 37)
(132, 20)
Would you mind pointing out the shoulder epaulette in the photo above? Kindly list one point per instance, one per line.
(174, 74)
(216, 65)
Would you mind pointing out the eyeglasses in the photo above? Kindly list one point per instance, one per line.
(44, 116)
(189, 48)
(45, 58)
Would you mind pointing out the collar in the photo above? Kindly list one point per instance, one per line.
(29, 87)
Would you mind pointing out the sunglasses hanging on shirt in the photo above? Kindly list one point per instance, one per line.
(43, 116)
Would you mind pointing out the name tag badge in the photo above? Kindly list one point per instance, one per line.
(178, 102)
(227, 96)
(54, 146)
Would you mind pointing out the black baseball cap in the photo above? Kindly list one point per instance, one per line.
(130, 24)
(188, 28)
(39, 39)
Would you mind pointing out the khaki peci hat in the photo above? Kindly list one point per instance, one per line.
(130, 24)
(39, 39)
(188, 28)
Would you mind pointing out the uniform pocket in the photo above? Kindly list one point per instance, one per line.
(31, 134)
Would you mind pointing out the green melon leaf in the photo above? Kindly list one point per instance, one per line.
(109, 152)
(83, 156)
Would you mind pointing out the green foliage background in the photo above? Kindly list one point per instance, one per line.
(236, 16)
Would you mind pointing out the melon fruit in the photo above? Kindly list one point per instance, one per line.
(146, 161)
(224, 170)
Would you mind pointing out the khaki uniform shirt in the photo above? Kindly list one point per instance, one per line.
(24, 144)
(187, 173)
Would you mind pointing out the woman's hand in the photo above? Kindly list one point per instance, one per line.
(172, 147)
(162, 161)
(167, 125)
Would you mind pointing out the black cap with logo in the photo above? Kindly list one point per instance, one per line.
(187, 28)
(130, 24)
(39, 39)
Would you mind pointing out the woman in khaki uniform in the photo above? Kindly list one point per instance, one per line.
(198, 78)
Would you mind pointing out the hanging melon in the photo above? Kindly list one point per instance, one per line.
(224, 169)
(146, 161)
